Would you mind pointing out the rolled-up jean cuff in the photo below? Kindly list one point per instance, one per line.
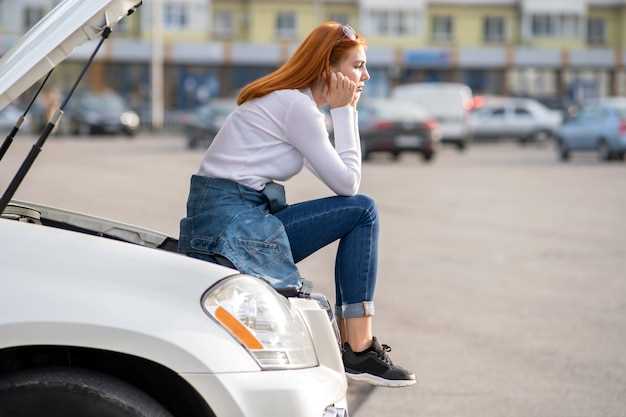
(356, 310)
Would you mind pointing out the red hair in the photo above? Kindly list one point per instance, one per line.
(325, 46)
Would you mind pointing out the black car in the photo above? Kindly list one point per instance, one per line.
(202, 125)
(94, 113)
(396, 127)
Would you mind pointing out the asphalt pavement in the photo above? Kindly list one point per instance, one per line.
(502, 272)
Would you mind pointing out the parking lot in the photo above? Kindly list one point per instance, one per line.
(502, 275)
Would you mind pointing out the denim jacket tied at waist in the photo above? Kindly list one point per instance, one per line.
(232, 220)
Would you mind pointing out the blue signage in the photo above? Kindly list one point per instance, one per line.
(427, 58)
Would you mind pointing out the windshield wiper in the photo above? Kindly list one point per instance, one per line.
(9, 139)
(56, 118)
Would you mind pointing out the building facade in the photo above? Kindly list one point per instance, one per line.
(569, 48)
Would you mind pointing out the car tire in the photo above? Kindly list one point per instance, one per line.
(74, 129)
(84, 129)
(564, 152)
(460, 146)
(130, 133)
(192, 143)
(395, 156)
(604, 152)
(428, 156)
(61, 392)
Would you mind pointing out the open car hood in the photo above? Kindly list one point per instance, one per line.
(70, 24)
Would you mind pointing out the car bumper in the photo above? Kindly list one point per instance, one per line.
(307, 392)
(291, 393)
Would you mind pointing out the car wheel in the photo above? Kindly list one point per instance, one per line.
(604, 152)
(130, 133)
(59, 392)
(74, 129)
(564, 152)
(84, 129)
(461, 146)
(542, 136)
(395, 155)
(428, 156)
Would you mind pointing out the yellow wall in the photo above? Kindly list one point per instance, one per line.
(239, 11)
(468, 23)
(614, 19)
(263, 19)
(352, 11)
(397, 42)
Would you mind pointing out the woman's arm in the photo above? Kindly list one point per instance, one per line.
(339, 167)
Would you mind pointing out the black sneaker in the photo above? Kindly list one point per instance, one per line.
(374, 366)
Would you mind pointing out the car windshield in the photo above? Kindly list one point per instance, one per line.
(104, 101)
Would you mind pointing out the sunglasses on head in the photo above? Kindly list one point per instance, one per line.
(349, 32)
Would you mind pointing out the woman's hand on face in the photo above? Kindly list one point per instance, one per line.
(355, 98)
(342, 90)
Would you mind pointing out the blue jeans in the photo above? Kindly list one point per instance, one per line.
(311, 225)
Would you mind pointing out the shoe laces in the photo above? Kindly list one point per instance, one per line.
(383, 354)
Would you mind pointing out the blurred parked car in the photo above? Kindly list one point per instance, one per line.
(202, 125)
(8, 117)
(565, 106)
(395, 127)
(525, 120)
(92, 113)
(448, 103)
(600, 126)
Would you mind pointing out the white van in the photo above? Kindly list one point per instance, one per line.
(449, 103)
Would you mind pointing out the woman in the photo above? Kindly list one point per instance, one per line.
(237, 215)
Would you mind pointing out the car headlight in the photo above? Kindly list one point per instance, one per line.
(130, 119)
(262, 321)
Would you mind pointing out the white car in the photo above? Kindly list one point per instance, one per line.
(525, 120)
(100, 318)
(448, 103)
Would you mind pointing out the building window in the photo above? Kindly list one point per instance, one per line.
(394, 22)
(286, 25)
(596, 31)
(224, 24)
(556, 25)
(443, 29)
(339, 18)
(569, 26)
(32, 15)
(494, 29)
(542, 25)
(176, 15)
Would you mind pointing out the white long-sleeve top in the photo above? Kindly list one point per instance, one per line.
(272, 137)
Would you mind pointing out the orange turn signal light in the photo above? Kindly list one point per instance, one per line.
(241, 332)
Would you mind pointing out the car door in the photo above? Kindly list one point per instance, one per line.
(489, 122)
(591, 127)
(571, 131)
(522, 122)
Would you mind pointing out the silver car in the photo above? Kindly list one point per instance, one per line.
(524, 120)
(599, 127)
